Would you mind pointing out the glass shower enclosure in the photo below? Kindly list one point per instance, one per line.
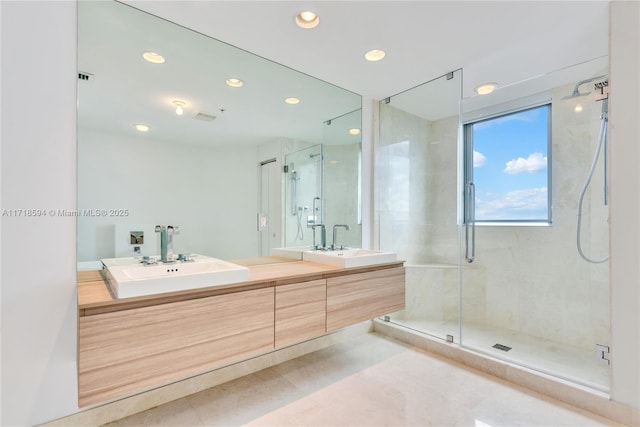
(416, 162)
(492, 265)
(304, 171)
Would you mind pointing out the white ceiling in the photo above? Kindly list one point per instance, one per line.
(123, 89)
(498, 41)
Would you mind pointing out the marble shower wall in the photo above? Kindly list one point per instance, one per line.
(527, 279)
(415, 171)
(534, 280)
(416, 207)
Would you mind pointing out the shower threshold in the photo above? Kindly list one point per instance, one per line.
(570, 363)
(588, 397)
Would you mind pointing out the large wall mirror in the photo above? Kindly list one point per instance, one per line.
(218, 170)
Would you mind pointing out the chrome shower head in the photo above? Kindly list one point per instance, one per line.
(576, 92)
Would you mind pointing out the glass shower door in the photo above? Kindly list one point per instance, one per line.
(526, 294)
(416, 200)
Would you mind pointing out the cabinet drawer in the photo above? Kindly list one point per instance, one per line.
(358, 297)
(300, 312)
(133, 350)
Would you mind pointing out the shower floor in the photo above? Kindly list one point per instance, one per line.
(576, 364)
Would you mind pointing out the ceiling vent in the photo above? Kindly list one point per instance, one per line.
(205, 117)
(84, 76)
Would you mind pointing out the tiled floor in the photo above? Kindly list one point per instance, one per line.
(367, 381)
(573, 363)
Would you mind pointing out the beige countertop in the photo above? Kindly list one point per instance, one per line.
(94, 296)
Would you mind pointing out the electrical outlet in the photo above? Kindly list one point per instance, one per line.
(136, 237)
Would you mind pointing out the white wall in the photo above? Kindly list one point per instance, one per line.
(210, 192)
(624, 108)
(38, 172)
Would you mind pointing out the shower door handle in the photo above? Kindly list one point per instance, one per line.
(470, 221)
(317, 217)
(605, 131)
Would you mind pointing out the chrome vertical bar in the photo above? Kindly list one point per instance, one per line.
(605, 135)
(317, 219)
(470, 222)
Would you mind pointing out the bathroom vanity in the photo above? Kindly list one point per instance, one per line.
(130, 345)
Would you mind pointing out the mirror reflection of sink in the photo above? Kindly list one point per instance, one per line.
(351, 257)
(128, 277)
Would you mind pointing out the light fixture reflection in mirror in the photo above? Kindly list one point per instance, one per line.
(233, 82)
(203, 176)
(154, 58)
(179, 107)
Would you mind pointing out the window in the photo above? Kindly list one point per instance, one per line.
(507, 158)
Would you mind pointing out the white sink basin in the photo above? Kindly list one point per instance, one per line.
(128, 277)
(347, 258)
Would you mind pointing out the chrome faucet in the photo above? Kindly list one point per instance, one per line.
(335, 228)
(323, 236)
(166, 241)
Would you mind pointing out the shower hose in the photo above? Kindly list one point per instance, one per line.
(596, 156)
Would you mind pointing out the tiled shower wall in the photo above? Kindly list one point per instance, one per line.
(526, 279)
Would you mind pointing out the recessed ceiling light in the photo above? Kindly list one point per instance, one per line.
(179, 105)
(374, 55)
(354, 131)
(486, 88)
(233, 82)
(141, 127)
(307, 20)
(578, 108)
(292, 100)
(153, 57)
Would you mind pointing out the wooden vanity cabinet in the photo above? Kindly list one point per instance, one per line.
(128, 351)
(133, 345)
(300, 312)
(358, 297)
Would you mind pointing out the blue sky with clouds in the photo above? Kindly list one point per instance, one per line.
(510, 166)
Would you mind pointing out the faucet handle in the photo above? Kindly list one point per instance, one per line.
(174, 229)
(158, 228)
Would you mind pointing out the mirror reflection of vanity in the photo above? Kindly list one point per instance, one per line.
(217, 170)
